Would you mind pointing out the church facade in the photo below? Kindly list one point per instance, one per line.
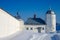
(40, 25)
(35, 24)
(10, 24)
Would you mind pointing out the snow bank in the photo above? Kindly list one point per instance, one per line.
(29, 35)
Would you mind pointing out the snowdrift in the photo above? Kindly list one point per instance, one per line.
(29, 35)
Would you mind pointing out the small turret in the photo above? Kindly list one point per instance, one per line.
(18, 16)
(50, 11)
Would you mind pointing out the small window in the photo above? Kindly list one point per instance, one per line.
(42, 28)
(31, 28)
(27, 28)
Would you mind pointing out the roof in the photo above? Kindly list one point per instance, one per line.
(35, 21)
(8, 13)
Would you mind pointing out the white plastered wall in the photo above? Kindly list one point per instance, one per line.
(35, 26)
(8, 24)
(51, 23)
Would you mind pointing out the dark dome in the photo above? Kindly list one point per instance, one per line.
(50, 12)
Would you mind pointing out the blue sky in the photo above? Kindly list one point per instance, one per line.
(27, 8)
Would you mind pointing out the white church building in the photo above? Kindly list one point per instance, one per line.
(40, 25)
(10, 24)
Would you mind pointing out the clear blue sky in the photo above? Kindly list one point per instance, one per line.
(27, 8)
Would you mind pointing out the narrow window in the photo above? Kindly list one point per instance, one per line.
(27, 28)
(31, 28)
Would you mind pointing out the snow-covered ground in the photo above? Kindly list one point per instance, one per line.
(29, 35)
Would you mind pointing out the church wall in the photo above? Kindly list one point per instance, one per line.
(48, 21)
(8, 24)
(51, 23)
(34, 27)
(22, 26)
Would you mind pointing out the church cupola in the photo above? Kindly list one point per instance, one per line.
(17, 16)
(50, 11)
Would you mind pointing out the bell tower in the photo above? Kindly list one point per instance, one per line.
(50, 21)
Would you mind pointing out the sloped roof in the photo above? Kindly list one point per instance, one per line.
(35, 21)
(1, 9)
